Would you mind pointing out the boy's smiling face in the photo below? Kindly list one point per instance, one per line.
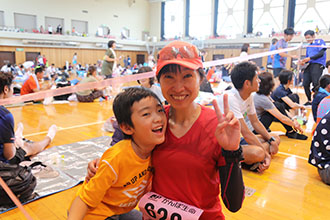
(149, 120)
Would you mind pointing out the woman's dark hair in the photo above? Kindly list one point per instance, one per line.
(241, 72)
(122, 105)
(285, 76)
(6, 79)
(245, 47)
(110, 43)
(266, 84)
(174, 68)
(145, 69)
(91, 70)
(323, 83)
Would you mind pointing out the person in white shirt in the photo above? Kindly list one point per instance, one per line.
(50, 29)
(257, 149)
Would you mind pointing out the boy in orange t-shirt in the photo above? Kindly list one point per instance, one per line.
(125, 170)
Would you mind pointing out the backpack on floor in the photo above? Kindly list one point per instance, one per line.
(20, 180)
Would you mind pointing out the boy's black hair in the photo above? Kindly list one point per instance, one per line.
(289, 31)
(145, 69)
(309, 32)
(122, 105)
(245, 47)
(285, 76)
(110, 43)
(38, 70)
(6, 79)
(266, 84)
(177, 68)
(324, 81)
(241, 72)
(327, 64)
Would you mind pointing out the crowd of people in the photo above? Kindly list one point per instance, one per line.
(205, 147)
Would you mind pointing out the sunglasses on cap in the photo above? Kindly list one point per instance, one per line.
(183, 52)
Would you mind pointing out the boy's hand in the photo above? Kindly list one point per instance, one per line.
(92, 168)
(228, 130)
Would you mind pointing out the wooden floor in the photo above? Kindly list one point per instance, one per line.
(290, 189)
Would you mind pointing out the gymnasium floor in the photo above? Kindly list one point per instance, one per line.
(289, 189)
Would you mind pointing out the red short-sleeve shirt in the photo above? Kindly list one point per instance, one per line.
(186, 168)
(29, 85)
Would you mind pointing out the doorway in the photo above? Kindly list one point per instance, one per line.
(140, 59)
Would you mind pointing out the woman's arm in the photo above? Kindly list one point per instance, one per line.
(232, 185)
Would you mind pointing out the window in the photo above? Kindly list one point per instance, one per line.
(268, 16)
(54, 22)
(200, 19)
(230, 18)
(309, 14)
(25, 22)
(173, 19)
(80, 27)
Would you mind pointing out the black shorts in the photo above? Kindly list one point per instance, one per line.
(19, 156)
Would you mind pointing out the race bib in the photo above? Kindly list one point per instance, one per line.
(154, 206)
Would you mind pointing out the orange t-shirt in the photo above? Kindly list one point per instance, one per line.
(29, 85)
(120, 181)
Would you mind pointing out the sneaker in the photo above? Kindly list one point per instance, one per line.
(308, 103)
(295, 135)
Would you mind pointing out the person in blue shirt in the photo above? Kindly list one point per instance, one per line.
(279, 61)
(323, 90)
(271, 57)
(316, 58)
(13, 147)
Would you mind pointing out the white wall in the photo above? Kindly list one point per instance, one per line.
(135, 17)
(155, 19)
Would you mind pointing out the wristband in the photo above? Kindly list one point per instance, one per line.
(233, 156)
(271, 139)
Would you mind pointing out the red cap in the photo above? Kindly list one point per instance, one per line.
(181, 53)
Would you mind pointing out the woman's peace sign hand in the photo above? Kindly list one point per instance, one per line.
(228, 130)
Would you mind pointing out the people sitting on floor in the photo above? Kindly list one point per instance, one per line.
(34, 82)
(284, 96)
(90, 94)
(13, 147)
(322, 91)
(257, 150)
(269, 111)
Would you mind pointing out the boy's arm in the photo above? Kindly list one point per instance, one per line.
(77, 210)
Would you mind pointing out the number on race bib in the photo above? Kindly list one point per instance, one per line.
(150, 210)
